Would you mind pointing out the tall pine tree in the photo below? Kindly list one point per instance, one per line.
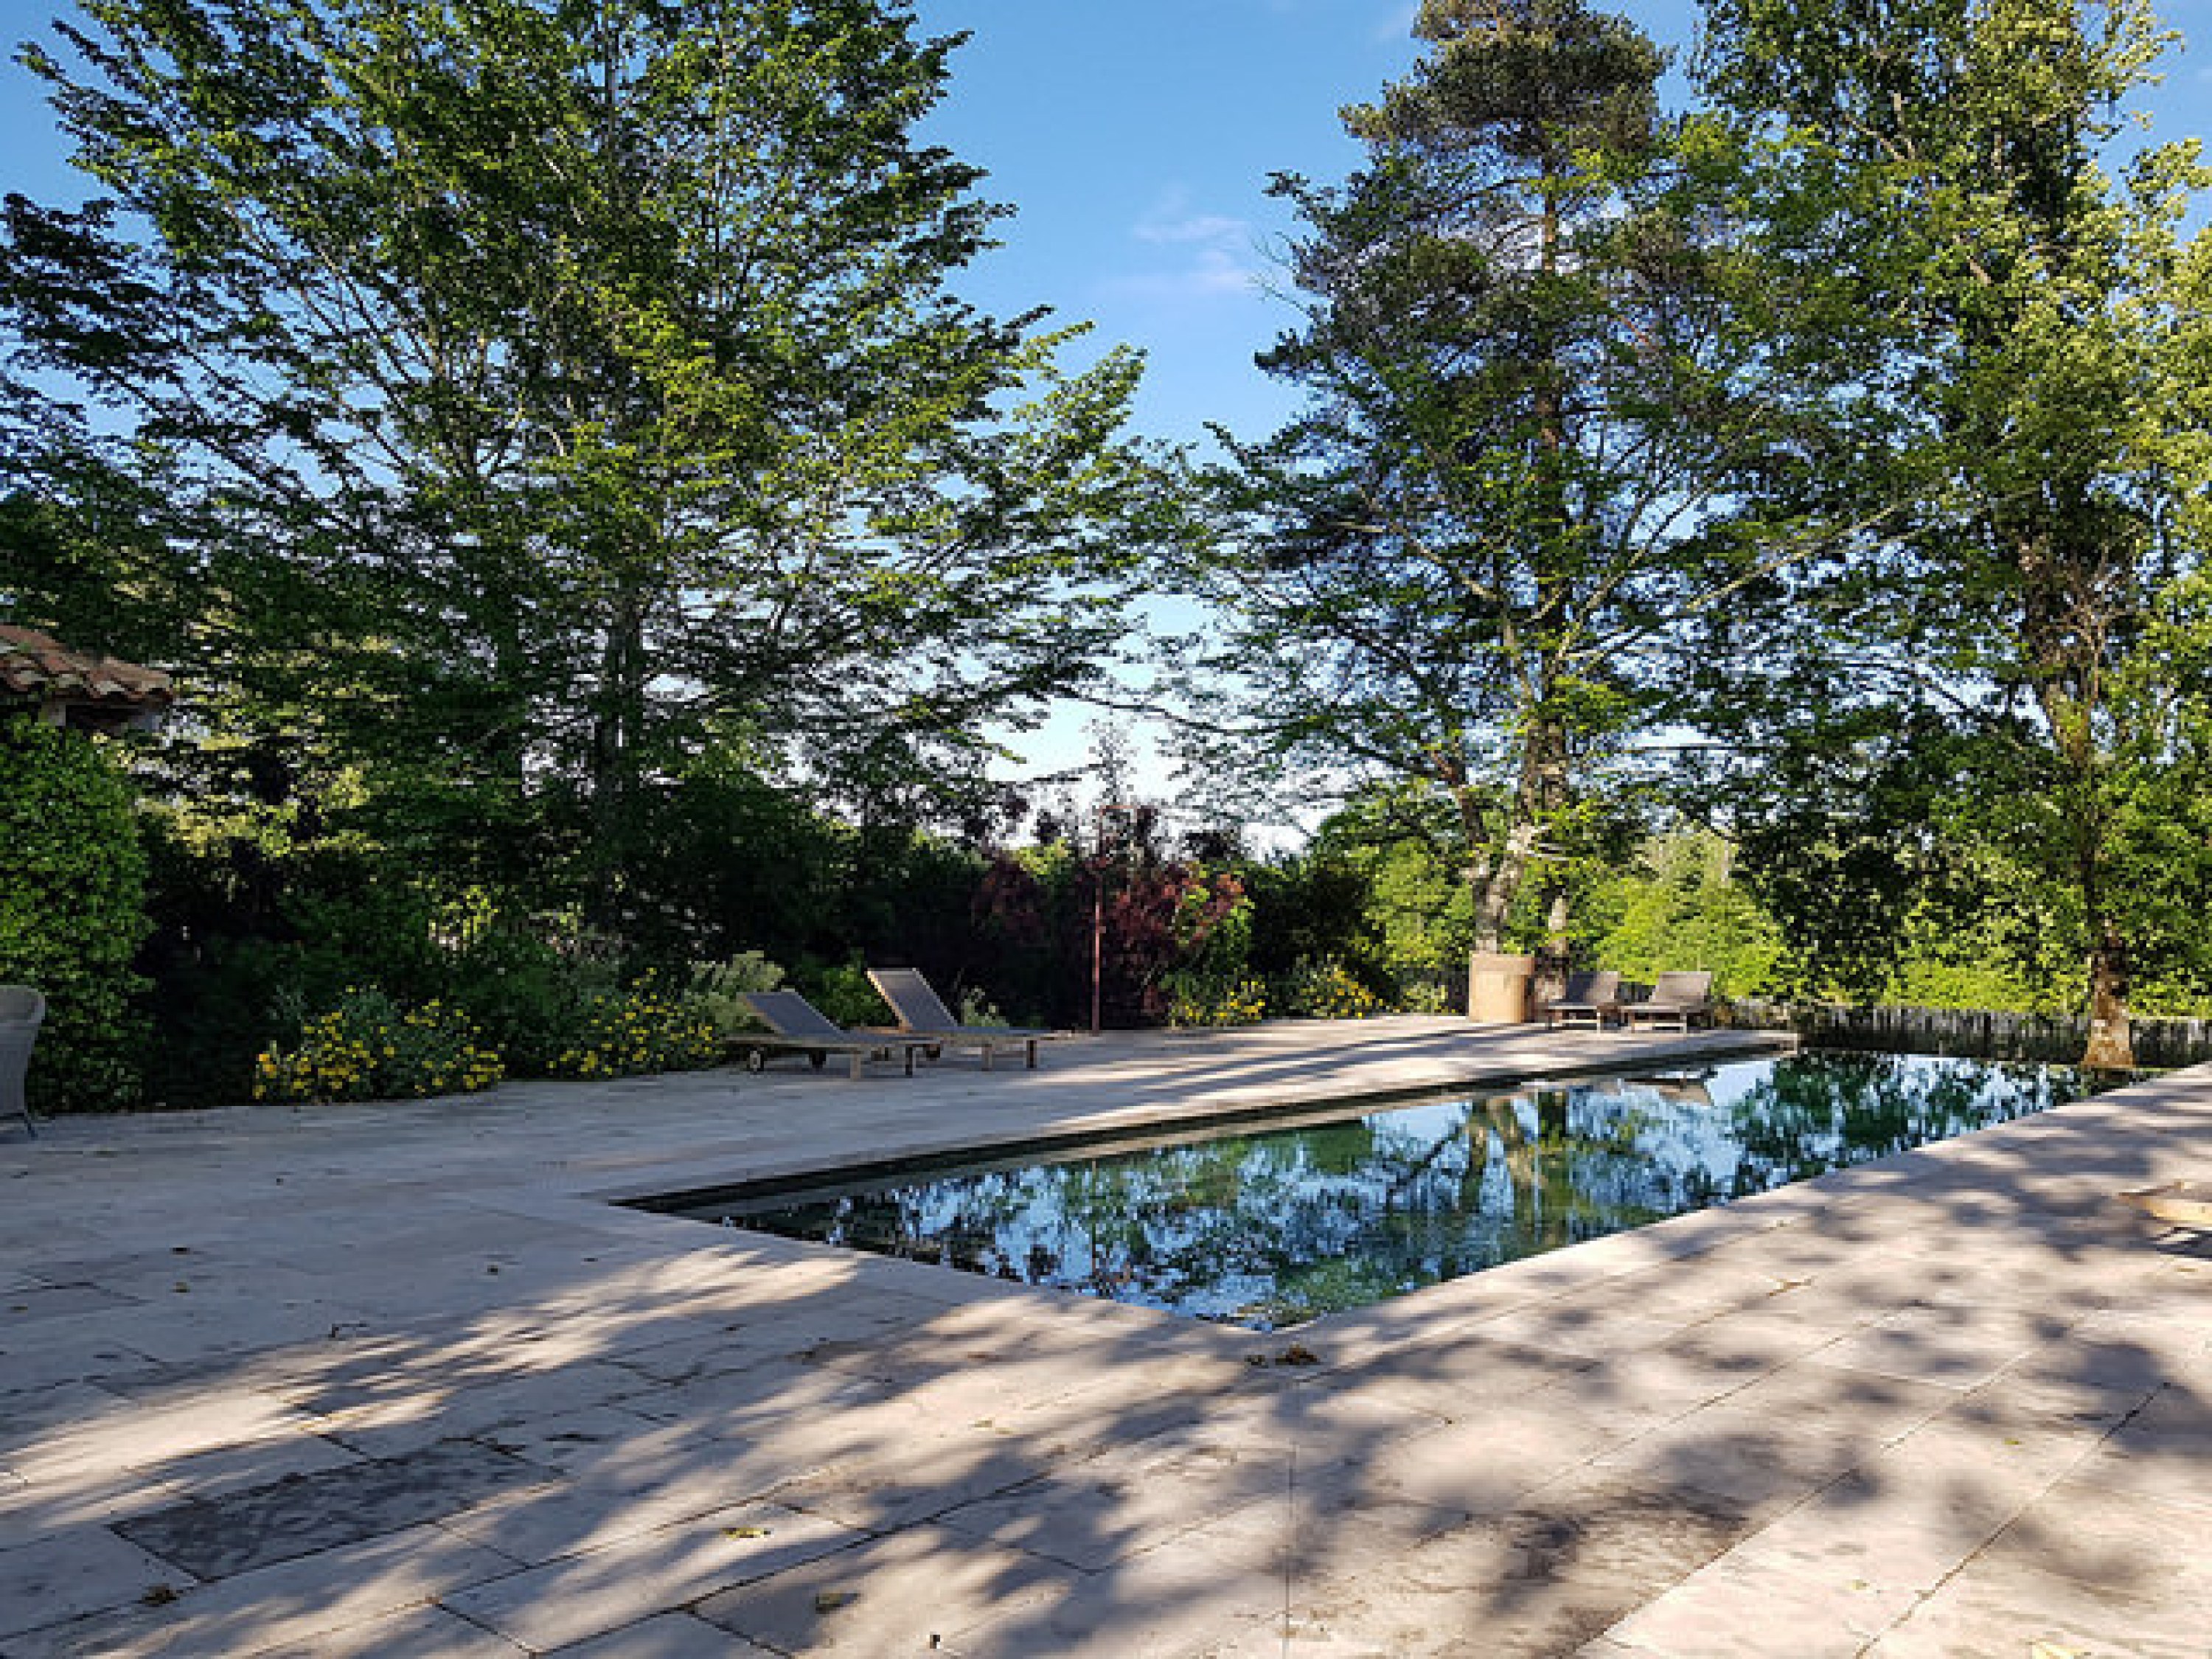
(1533, 380)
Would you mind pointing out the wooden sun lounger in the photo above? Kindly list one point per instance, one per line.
(1588, 1000)
(922, 1013)
(1678, 1001)
(796, 1024)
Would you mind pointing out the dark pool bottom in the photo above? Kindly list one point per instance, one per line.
(1268, 1226)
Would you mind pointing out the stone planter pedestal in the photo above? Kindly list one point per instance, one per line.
(1498, 987)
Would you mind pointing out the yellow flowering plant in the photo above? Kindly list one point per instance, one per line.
(1326, 989)
(369, 1048)
(643, 1028)
(1244, 1002)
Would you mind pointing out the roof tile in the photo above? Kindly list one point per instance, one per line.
(37, 664)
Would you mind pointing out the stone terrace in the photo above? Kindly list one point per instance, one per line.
(399, 1380)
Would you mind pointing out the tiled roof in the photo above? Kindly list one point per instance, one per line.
(35, 665)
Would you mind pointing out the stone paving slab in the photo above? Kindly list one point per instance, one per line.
(1953, 1402)
(301, 1514)
(580, 1596)
(666, 1636)
(310, 1603)
(917, 1591)
(75, 1572)
(416, 1633)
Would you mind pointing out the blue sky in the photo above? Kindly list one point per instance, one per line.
(1134, 137)
(1137, 139)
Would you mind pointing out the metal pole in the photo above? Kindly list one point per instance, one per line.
(1098, 915)
(1097, 936)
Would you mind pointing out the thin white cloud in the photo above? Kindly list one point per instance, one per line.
(1212, 274)
(1173, 218)
(1218, 257)
(1210, 227)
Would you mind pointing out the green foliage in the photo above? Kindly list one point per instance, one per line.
(559, 432)
(72, 913)
(1405, 846)
(641, 1029)
(976, 1008)
(1206, 1002)
(542, 992)
(1308, 907)
(2013, 484)
(717, 986)
(370, 1048)
(1524, 326)
(1325, 989)
(1214, 923)
(1424, 996)
(85, 549)
(533, 985)
(1977, 969)
(1208, 983)
(843, 992)
(1680, 908)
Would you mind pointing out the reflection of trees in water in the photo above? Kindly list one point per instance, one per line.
(1279, 1227)
(1826, 1111)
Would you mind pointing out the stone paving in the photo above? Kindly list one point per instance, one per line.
(402, 1380)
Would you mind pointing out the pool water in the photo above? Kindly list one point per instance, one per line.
(1269, 1226)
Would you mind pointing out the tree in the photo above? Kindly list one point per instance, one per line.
(1404, 845)
(1534, 379)
(2036, 380)
(1678, 905)
(576, 391)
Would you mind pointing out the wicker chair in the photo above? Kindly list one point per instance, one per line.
(21, 1010)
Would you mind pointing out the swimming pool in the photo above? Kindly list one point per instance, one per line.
(1269, 1226)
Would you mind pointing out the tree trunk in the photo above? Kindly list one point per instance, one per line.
(617, 724)
(2111, 1041)
(1495, 878)
(2064, 635)
(1556, 956)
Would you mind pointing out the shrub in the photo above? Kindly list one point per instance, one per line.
(716, 988)
(643, 1028)
(1325, 990)
(1244, 1003)
(1424, 996)
(844, 993)
(978, 1010)
(530, 996)
(368, 1047)
(72, 913)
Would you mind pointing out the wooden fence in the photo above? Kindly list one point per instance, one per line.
(2160, 1043)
